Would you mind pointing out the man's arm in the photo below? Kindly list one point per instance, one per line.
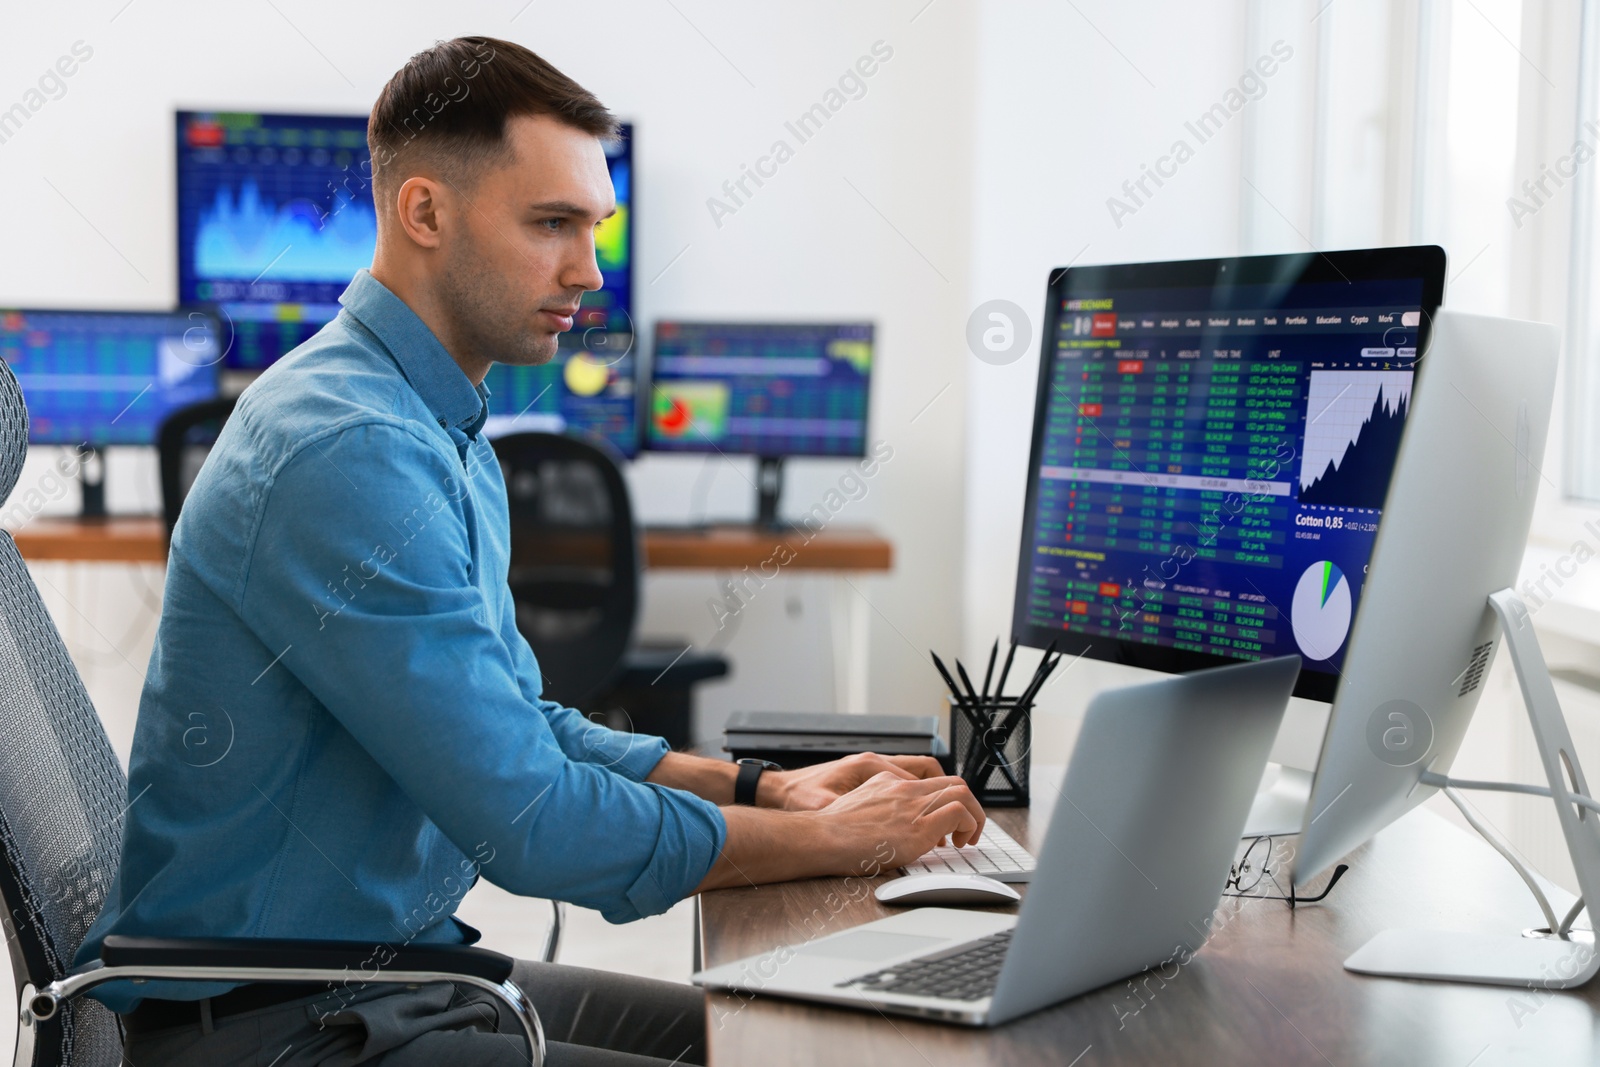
(361, 574)
(805, 789)
(859, 816)
(886, 822)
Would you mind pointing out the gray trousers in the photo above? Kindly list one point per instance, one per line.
(590, 1018)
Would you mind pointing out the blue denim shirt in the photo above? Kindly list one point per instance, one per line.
(341, 727)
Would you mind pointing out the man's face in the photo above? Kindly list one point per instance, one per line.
(521, 252)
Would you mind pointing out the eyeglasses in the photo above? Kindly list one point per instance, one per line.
(1258, 865)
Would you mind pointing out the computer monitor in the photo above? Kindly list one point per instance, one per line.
(1212, 443)
(102, 378)
(275, 216)
(770, 390)
(1455, 528)
(578, 391)
(605, 323)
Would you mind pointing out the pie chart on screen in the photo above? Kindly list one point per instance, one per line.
(674, 417)
(1320, 611)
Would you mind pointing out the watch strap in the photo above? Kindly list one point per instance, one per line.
(744, 786)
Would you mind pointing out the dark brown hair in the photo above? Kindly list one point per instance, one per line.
(449, 105)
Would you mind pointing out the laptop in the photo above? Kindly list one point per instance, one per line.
(1145, 828)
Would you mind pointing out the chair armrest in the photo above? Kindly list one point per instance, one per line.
(358, 956)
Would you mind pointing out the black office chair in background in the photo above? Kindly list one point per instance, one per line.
(182, 444)
(62, 797)
(575, 567)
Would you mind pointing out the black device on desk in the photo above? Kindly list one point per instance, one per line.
(800, 739)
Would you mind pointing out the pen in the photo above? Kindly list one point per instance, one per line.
(962, 671)
(988, 675)
(982, 721)
(1046, 667)
(967, 710)
(1005, 670)
(955, 690)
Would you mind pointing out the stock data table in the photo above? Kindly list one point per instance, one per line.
(1176, 459)
(1212, 481)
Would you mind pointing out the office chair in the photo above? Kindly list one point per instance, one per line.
(182, 444)
(62, 796)
(575, 566)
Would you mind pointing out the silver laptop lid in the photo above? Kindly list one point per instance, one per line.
(1144, 830)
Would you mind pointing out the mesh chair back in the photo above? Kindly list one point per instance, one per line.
(574, 559)
(62, 792)
(183, 442)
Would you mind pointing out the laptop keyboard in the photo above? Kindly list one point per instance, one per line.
(996, 855)
(965, 972)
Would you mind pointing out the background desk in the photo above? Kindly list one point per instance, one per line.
(1268, 989)
(140, 539)
(837, 550)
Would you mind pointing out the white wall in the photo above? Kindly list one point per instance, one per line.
(868, 220)
(982, 155)
(1072, 101)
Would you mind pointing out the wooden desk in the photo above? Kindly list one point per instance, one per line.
(119, 540)
(144, 540)
(1268, 989)
(839, 550)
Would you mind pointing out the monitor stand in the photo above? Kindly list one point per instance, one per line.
(769, 487)
(92, 480)
(1551, 961)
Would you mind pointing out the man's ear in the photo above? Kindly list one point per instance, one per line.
(417, 204)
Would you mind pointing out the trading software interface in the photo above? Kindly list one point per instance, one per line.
(590, 385)
(105, 378)
(274, 218)
(765, 390)
(582, 390)
(1212, 477)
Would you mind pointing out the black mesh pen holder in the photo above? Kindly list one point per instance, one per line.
(990, 741)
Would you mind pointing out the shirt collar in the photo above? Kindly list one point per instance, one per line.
(438, 379)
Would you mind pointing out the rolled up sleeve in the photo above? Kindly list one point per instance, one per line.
(376, 608)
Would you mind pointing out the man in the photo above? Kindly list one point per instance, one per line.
(338, 630)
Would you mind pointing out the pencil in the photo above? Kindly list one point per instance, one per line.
(1000, 689)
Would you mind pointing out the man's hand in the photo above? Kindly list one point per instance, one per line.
(887, 821)
(814, 788)
(908, 815)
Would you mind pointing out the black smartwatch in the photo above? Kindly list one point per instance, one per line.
(744, 786)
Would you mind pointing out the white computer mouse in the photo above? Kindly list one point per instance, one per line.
(946, 889)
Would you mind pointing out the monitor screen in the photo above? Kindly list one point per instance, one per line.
(108, 378)
(578, 390)
(609, 310)
(275, 216)
(760, 389)
(1213, 441)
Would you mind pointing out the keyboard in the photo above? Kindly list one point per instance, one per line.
(965, 972)
(996, 855)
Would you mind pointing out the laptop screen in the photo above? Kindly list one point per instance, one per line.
(1213, 441)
